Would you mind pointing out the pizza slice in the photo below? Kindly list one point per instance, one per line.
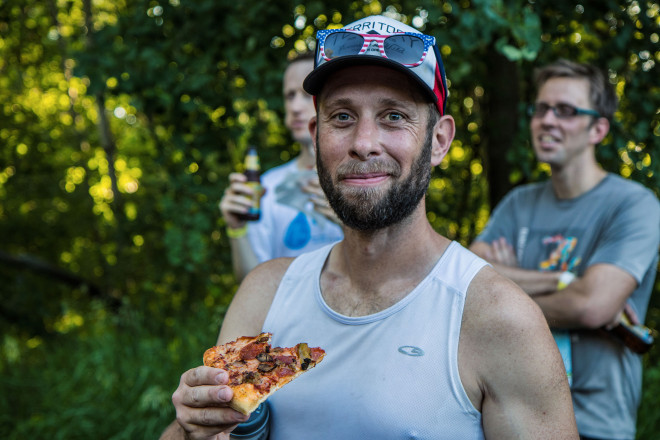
(256, 370)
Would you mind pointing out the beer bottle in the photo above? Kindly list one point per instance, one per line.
(252, 173)
(638, 338)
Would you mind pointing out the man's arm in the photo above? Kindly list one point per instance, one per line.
(236, 200)
(502, 256)
(202, 396)
(510, 365)
(591, 301)
(242, 256)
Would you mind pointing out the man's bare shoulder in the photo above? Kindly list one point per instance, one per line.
(494, 301)
(509, 363)
(268, 273)
(249, 308)
(502, 327)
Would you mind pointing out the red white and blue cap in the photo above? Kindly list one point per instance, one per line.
(430, 74)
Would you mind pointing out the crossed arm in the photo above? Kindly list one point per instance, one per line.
(591, 301)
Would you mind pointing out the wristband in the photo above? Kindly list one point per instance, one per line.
(237, 232)
(565, 279)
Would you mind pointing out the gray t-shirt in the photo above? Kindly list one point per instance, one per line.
(616, 222)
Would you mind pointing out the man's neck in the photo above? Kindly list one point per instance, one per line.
(306, 160)
(368, 272)
(573, 180)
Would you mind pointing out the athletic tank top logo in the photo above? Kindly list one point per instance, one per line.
(409, 350)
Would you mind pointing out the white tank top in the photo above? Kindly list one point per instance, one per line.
(390, 375)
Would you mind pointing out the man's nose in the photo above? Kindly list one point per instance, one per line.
(366, 141)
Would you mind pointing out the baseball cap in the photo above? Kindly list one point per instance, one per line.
(429, 74)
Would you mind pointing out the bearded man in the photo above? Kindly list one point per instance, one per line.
(423, 339)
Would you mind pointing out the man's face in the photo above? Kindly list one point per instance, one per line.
(560, 142)
(298, 104)
(373, 146)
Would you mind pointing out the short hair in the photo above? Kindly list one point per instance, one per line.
(301, 56)
(601, 92)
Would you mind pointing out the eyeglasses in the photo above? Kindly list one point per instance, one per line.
(561, 111)
(406, 48)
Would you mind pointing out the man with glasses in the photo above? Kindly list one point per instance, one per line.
(422, 338)
(583, 245)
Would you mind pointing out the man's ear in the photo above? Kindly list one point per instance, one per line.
(598, 131)
(443, 135)
(313, 125)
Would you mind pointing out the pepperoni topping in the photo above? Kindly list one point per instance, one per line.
(286, 360)
(284, 372)
(251, 351)
(317, 353)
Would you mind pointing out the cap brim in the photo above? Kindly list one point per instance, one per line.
(314, 82)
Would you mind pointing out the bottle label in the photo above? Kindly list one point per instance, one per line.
(255, 209)
(252, 162)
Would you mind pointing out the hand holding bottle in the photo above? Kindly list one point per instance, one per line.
(242, 199)
(631, 332)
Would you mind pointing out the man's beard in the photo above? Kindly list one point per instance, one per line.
(363, 210)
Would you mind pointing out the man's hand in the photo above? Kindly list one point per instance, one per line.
(201, 404)
(627, 312)
(236, 200)
(317, 197)
(502, 253)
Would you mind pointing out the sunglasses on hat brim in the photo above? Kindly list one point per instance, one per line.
(406, 48)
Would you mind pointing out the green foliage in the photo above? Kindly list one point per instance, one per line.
(110, 378)
(121, 120)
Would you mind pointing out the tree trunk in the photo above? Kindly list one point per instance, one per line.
(500, 121)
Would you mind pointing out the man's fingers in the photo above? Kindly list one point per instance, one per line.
(203, 375)
(203, 396)
(206, 423)
(241, 189)
(237, 177)
(503, 253)
(631, 314)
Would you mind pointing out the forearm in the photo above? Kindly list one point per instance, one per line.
(242, 256)
(533, 282)
(577, 307)
(503, 258)
(562, 308)
(573, 306)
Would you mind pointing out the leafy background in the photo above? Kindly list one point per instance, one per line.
(120, 121)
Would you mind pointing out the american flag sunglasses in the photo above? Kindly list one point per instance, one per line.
(406, 48)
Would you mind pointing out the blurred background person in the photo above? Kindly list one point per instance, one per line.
(583, 245)
(295, 216)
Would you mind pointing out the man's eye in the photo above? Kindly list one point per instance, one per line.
(343, 117)
(394, 116)
(565, 110)
(541, 108)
